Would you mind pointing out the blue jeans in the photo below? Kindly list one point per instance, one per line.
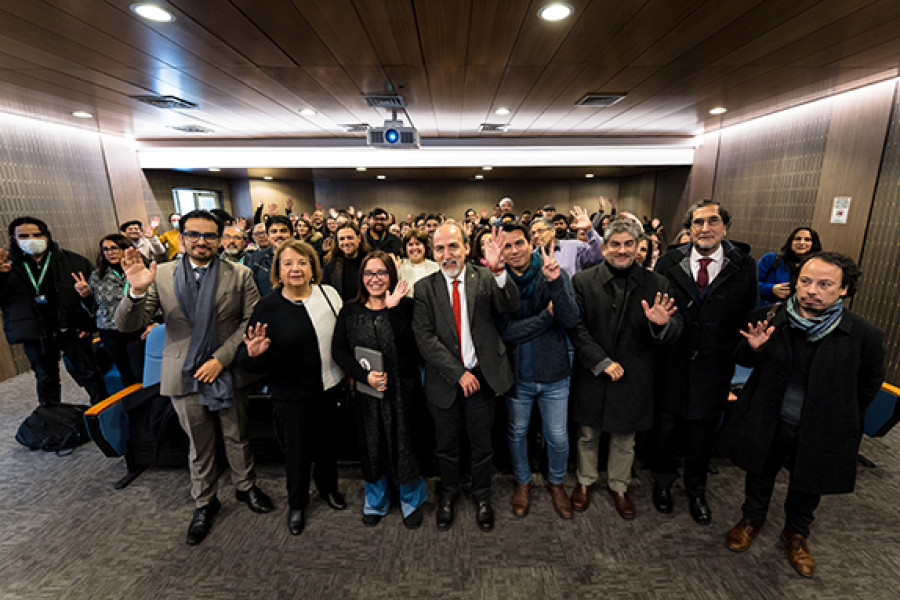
(378, 497)
(553, 402)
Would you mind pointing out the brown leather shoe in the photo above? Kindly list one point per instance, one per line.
(581, 497)
(798, 553)
(623, 503)
(520, 500)
(561, 503)
(741, 535)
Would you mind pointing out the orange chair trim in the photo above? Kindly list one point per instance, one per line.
(103, 405)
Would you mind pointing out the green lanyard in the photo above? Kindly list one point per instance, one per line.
(125, 289)
(37, 284)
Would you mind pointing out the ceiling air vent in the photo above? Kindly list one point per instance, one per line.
(600, 100)
(165, 102)
(389, 101)
(493, 128)
(355, 127)
(192, 128)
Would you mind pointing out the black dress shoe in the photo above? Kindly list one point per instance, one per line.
(700, 510)
(334, 499)
(201, 523)
(371, 520)
(414, 519)
(256, 499)
(662, 499)
(296, 521)
(484, 514)
(444, 514)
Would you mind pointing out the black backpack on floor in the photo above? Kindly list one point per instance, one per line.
(54, 428)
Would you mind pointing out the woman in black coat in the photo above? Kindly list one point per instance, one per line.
(380, 320)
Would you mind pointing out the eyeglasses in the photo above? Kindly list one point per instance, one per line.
(111, 248)
(713, 221)
(380, 274)
(193, 236)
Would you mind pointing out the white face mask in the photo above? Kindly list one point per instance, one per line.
(174, 223)
(33, 246)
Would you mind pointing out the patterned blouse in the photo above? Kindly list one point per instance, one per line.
(107, 292)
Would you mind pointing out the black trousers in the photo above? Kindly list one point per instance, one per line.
(477, 413)
(698, 437)
(307, 429)
(79, 360)
(127, 352)
(798, 506)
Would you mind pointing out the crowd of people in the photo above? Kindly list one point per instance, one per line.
(594, 318)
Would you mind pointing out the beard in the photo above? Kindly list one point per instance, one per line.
(450, 268)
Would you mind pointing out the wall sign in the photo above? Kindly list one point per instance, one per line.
(840, 209)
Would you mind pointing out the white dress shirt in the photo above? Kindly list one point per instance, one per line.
(465, 331)
(713, 268)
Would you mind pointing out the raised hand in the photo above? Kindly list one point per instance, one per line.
(493, 252)
(240, 223)
(81, 285)
(615, 371)
(255, 339)
(393, 299)
(663, 308)
(289, 204)
(272, 210)
(154, 222)
(550, 268)
(5, 262)
(139, 276)
(758, 334)
(580, 218)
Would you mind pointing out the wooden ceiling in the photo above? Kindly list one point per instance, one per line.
(252, 65)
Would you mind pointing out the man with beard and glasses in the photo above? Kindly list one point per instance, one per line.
(206, 304)
(816, 368)
(378, 236)
(714, 286)
(234, 243)
(454, 320)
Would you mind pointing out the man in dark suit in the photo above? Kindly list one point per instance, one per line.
(204, 326)
(714, 285)
(816, 368)
(465, 360)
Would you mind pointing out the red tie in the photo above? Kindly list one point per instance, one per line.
(703, 274)
(457, 303)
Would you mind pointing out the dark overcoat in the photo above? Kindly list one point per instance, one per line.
(845, 374)
(695, 375)
(623, 406)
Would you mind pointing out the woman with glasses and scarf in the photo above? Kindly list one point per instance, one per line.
(100, 295)
(377, 328)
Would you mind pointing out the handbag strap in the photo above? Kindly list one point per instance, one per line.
(328, 300)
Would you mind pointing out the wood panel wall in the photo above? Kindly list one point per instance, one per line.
(767, 174)
(160, 202)
(879, 289)
(56, 174)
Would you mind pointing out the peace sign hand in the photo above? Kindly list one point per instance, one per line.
(81, 285)
(256, 339)
(5, 262)
(551, 268)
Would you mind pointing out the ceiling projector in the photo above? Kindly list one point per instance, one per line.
(393, 134)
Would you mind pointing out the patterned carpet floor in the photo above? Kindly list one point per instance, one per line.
(66, 533)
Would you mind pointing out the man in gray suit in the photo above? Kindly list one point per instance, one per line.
(465, 360)
(206, 303)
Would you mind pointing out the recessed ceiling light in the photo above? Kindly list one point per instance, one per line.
(479, 176)
(308, 112)
(214, 169)
(268, 178)
(556, 11)
(81, 114)
(360, 169)
(718, 110)
(382, 177)
(487, 168)
(589, 175)
(152, 12)
(502, 111)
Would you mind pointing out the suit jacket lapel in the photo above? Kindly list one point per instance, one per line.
(471, 290)
(443, 305)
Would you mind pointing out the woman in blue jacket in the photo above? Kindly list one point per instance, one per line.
(775, 269)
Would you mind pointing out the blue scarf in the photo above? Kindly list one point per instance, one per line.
(525, 282)
(817, 327)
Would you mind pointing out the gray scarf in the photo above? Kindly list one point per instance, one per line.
(199, 306)
(817, 327)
